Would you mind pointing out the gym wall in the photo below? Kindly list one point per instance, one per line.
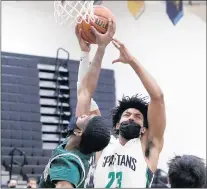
(22, 96)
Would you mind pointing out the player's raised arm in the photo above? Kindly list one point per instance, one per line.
(83, 68)
(89, 81)
(156, 110)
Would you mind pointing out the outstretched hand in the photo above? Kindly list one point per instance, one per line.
(125, 56)
(104, 39)
(83, 44)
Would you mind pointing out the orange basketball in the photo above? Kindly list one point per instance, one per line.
(102, 14)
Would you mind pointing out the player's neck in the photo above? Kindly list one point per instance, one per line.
(122, 140)
(73, 142)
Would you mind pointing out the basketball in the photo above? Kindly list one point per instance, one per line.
(102, 14)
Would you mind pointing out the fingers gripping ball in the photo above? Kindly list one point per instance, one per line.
(102, 14)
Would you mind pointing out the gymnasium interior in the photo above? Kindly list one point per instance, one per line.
(39, 68)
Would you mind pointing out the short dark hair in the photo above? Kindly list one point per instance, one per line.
(96, 136)
(137, 101)
(160, 179)
(187, 171)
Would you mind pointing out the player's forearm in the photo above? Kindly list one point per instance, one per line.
(83, 68)
(91, 77)
(147, 80)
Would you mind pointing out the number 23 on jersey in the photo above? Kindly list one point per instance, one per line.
(114, 177)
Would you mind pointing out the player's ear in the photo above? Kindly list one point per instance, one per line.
(77, 132)
(117, 125)
(143, 129)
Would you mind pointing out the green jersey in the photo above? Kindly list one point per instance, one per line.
(65, 165)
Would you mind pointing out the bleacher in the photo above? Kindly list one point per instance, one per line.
(28, 122)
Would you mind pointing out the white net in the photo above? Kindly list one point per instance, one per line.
(71, 12)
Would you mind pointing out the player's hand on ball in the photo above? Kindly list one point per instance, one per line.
(125, 56)
(83, 44)
(104, 39)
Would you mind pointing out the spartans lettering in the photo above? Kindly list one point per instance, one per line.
(122, 160)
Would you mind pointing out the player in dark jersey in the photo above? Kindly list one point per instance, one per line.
(68, 165)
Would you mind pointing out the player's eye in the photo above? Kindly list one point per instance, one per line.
(126, 115)
(137, 116)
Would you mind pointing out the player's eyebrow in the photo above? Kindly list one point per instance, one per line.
(138, 114)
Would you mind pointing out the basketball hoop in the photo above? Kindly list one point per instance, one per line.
(73, 11)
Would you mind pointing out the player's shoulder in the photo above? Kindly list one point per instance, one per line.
(66, 156)
(75, 155)
(112, 146)
(113, 142)
(70, 159)
(113, 139)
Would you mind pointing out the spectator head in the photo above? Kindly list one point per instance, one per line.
(187, 171)
(12, 183)
(32, 183)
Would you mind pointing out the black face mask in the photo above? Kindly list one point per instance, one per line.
(12, 187)
(129, 129)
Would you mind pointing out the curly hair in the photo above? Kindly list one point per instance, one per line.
(137, 101)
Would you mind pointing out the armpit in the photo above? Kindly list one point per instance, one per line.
(149, 146)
